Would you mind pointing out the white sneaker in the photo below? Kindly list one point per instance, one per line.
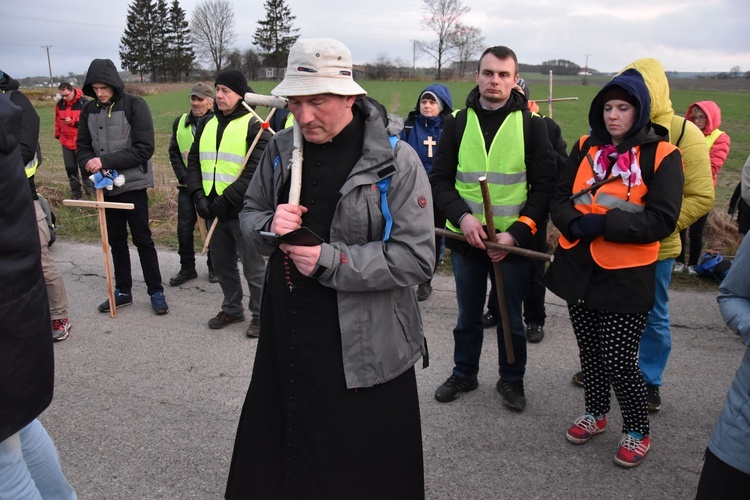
(692, 271)
(679, 267)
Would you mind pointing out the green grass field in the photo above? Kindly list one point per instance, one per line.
(399, 98)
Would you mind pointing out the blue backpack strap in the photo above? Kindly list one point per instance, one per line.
(383, 188)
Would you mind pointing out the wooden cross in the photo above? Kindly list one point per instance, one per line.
(100, 205)
(429, 143)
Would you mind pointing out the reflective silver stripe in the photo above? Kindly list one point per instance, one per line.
(584, 199)
(492, 177)
(207, 176)
(228, 178)
(609, 201)
(505, 179)
(497, 210)
(231, 158)
(207, 155)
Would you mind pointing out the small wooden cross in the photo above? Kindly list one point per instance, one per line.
(100, 205)
(429, 143)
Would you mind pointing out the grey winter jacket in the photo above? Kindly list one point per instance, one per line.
(120, 132)
(730, 440)
(381, 327)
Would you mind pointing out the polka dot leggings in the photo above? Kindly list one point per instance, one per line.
(608, 343)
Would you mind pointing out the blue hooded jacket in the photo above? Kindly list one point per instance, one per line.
(631, 81)
(418, 128)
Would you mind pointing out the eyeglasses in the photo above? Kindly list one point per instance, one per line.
(65, 95)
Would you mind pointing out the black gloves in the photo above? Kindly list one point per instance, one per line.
(203, 208)
(219, 208)
(588, 227)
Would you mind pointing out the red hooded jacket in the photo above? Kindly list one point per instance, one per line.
(67, 132)
(719, 149)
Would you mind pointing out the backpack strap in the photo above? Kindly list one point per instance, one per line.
(383, 185)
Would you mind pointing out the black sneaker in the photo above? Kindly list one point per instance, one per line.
(578, 379)
(121, 300)
(512, 391)
(253, 329)
(489, 320)
(183, 276)
(212, 278)
(424, 290)
(454, 385)
(223, 319)
(534, 333)
(653, 398)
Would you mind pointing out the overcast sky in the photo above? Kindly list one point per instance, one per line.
(685, 35)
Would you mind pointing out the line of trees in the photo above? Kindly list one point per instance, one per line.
(158, 40)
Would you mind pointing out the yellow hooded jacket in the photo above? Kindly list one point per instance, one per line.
(698, 190)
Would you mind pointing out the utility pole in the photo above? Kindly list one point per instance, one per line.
(49, 63)
(586, 69)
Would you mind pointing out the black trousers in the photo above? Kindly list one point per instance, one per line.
(186, 219)
(118, 222)
(720, 481)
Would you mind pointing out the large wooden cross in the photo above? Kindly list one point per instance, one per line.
(100, 205)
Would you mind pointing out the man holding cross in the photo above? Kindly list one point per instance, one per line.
(496, 137)
(221, 162)
(421, 131)
(332, 409)
(116, 133)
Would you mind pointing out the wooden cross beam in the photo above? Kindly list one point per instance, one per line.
(100, 205)
(550, 100)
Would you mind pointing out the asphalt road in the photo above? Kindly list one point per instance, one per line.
(146, 406)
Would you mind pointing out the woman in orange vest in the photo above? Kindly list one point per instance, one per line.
(707, 116)
(619, 194)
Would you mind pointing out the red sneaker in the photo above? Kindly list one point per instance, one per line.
(632, 451)
(60, 329)
(585, 427)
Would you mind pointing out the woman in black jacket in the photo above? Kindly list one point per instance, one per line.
(619, 194)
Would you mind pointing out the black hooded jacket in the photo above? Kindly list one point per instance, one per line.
(28, 142)
(120, 131)
(540, 167)
(573, 275)
(26, 356)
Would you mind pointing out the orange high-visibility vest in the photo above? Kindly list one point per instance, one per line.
(608, 254)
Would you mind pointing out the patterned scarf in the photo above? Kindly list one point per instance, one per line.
(625, 166)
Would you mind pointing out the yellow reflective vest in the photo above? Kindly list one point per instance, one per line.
(222, 164)
(185, 136)
(504, 166)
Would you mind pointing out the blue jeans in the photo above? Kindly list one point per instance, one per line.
(29, 467)
(471, 289)
(656, 341)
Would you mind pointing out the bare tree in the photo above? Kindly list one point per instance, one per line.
(467, 40)
(735, 71)
(442, 17)
(212, 30)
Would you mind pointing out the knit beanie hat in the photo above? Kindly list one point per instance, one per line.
(433, 96)
(234, 79)
(617, 92)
